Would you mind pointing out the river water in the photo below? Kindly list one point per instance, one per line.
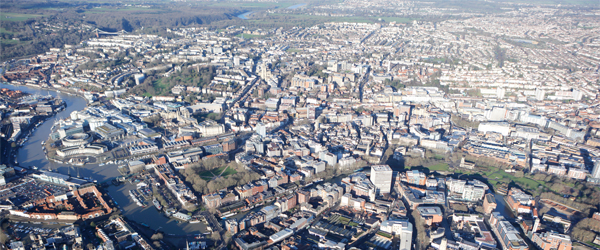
(31, 154)
(245, 15)
(296, 6)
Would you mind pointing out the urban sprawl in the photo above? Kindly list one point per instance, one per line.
(475, 133)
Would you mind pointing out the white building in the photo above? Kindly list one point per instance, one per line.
(404, 229)
(381, 177)
(497, 127)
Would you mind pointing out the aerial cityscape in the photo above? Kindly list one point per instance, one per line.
(300, 125)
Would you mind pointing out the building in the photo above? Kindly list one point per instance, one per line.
(415, 177)
(596, 170)
(475, 224)
(431, 214)
(552, 241)
(109, 132)
(381, 177)
(577, 173)
(502, 128)
(212, 200)
(473, 192)
(489, 203)
(231, 226)
(508, 235)
(400, 228)
(519, 201)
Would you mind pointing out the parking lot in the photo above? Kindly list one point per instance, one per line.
(19, 230)
(33, 190)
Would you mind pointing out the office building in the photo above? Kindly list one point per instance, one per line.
(381, 177)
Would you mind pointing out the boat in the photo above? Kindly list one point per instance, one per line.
(133, 194)
(156, 204)
(227, 215)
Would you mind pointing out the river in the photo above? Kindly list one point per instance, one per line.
(296, 6)
(31, 154)
(245, 15)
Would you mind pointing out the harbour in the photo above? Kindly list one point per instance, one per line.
(31, 156)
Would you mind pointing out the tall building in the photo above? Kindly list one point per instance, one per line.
(500, 92)
(261, 129)
(540, 94)
(596, 170)
(381, 177)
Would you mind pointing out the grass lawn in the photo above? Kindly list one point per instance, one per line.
(228, 171)
(384, 234)
(598, 246)
(3, 30)
(16, 17)
(439, 167)
(395, 19)
(499, 176)
(9, 41)
(293, 50)
(223, 171)
(344, 220)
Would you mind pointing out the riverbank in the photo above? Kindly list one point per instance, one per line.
(31, 155)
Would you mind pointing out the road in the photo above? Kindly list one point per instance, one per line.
(586, 244)
(212, 221)
(363, 80)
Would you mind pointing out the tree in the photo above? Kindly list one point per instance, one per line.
(422, 236)
(157, 236)
(3, 237)
(215, 236)
(479, 209)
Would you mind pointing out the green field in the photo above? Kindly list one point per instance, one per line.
(223, 171)
(499, 176)
(2, 30)
(396, 19)
(439, 167)
(16, 17)
(10, 41)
